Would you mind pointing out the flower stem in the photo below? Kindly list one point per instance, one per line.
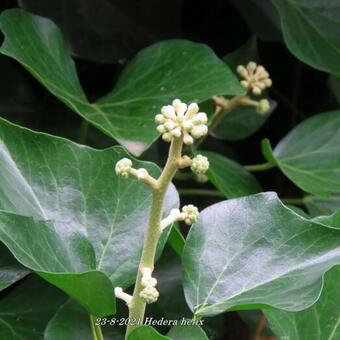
(259, 167)
(95, 329)
(200, 192)
(153, 231)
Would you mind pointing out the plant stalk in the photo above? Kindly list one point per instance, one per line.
(153, 232)
(95, 329)
(259, 167)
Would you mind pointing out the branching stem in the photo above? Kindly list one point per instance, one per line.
(95, 329)
(153, 232)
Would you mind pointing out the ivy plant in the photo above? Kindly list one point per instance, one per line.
(108, 243)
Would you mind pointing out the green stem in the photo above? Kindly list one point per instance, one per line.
(153, 232)
(260, 167)
(200, 192)
(84, 127)
(297, 201)
(95, 329)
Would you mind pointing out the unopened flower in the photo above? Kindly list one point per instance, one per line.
(147, 279)
(191, 214)
(263, 106)
(123, 167)
(201, 178)
(149, 294)
(256, 78)
(180, 120)
(199, 165)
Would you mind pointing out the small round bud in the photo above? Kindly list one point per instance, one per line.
(176, 132)
(123, 167)
(169, 125)
(161, 128)
(199, 131)
(256, 90)
(241, 70)
(199, 165)
(159, 119)
(166, 137)
(251, 66)
(201, 178)
(264, 106)
(187, 139)
(191, 214)
(149, 294)
(168, 112)
(149, 281)
(192, 110)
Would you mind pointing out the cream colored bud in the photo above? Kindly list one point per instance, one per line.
(160, 119)
(123, 167)
(191, 214)
(199, 165)
(264, 106)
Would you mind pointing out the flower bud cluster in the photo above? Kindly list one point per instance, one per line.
(256, 78)
(123, 167)
(199, 165)
(149, 293)
(191, 214)
(180, 120)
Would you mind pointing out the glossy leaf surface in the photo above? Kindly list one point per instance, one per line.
(264, 254)
(314, 22)
(25, 311)
(310, 154)
(187, 332)
(157, 75)
(319, 322)
(101, 217)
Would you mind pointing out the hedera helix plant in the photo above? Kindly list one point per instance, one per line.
(92, 224)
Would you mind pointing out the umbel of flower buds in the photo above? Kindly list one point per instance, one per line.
(256, 78)
(180, 120)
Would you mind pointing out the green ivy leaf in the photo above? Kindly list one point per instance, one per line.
(232, 179)
(75, 188)
(25, 311)
(10, 270)
(157, 75)
(264, 254)
(176, 240)
(146, 332)
(319, 322)
(322, 205)
(309, 154)
(316, 24)
(72, 322)
(243, 121)
(187, 332)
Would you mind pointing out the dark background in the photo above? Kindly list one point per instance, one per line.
(103, 35)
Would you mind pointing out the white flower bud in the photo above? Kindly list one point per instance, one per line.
(192, 110)
(191, 214)
(123, 167)
(187, 139)
(168, 112)
(256, 90)
(201, 178)
(199, 165)
(161, 128)
(160, 119)
(149, 294)
(166, 137)
(176, 132)
(199, 131)
(169, 125)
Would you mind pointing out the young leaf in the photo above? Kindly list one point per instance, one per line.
(187, 332)
(146, 332)
(157, 75)
(321, 321)
(10, 270)
(309, 154)
(264, 254)
(314, 22)
(229, 177)
(50, 178)
(25, 311)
